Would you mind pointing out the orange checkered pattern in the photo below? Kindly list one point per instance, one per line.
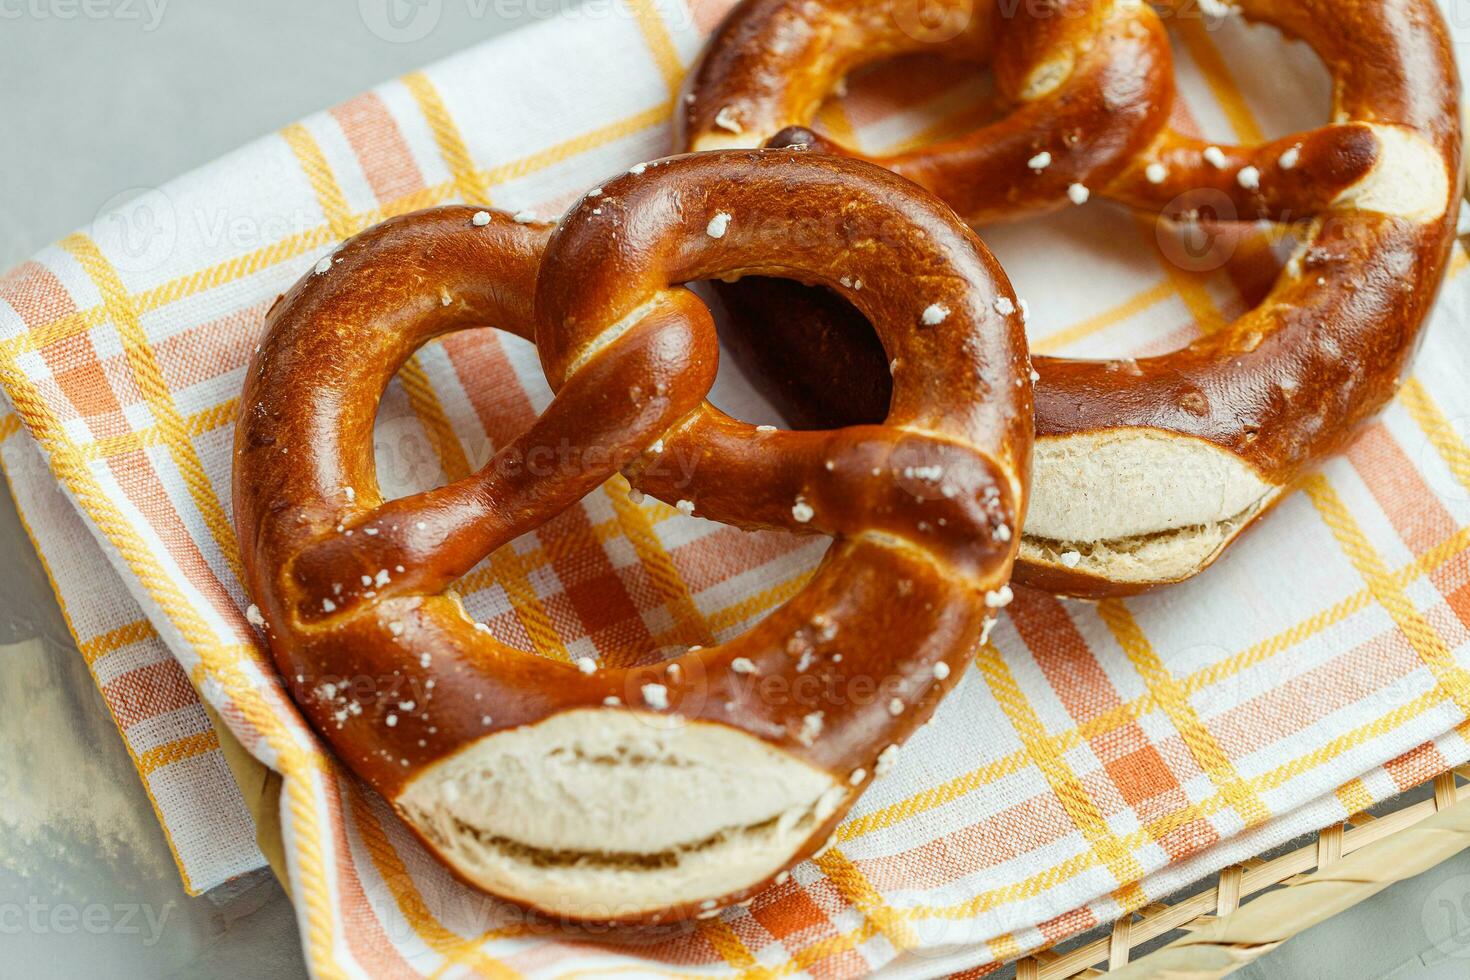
(1095, 757)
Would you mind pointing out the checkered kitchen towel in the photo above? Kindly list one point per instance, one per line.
(1096, 758)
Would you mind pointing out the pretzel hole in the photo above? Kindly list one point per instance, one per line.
(1292, 94)
(1238, 107)
(1238, 262)
(419, 441)
(839, 378)
(920, 98)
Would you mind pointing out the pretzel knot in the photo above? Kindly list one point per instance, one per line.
(1146, 469)
(667, 790)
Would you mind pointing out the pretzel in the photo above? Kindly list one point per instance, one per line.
(1146, 470)
(665, 790)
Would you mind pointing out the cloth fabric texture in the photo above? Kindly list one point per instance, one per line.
(1096, 756)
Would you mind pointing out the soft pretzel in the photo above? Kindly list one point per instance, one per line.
(667, 790)
(1147, 469)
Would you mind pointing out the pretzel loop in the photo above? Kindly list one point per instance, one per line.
(371, 304)
(424, 543)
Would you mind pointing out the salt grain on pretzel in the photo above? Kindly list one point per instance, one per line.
(648, 792)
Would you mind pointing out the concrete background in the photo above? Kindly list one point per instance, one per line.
(107, 95)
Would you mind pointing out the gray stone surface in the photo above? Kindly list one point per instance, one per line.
(91, 107)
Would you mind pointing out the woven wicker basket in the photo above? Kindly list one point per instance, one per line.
(1219, 931)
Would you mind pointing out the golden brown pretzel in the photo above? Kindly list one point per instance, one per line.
(672, 789)
(1146, 470)
(1088, 82)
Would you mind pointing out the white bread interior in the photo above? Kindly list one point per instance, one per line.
(1136, 505)
(1409, 178)
(609, 814)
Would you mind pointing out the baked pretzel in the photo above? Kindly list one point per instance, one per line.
(1147, 469)
(664, 790)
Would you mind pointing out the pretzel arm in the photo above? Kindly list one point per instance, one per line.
(1288, 179)
(859, 481)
